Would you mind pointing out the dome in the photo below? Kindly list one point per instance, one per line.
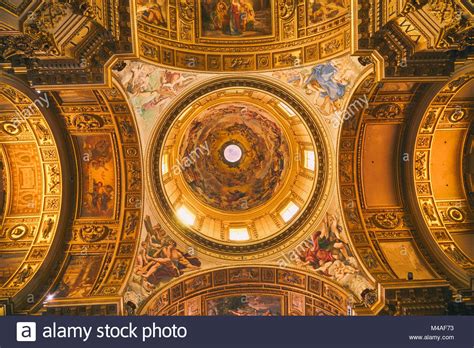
(240, 166)
(246, 156)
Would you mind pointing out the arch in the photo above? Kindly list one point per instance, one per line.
(35, 223)
(440, 206)
(296, 292)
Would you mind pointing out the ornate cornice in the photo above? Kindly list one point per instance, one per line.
(70, 43)
(412, 40)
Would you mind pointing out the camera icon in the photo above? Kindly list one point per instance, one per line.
(26, 332)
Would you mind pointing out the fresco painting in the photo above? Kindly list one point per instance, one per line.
(244, 184)
(160, 259)
(79, 277)
(327, 85)
(151, 89)
(328, 253)
(236, 18)
(9, 263)
(153, 12)
(98, 176)
(322, 10)
(296, 304)
(245, 305)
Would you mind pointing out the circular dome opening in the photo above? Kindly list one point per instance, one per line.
(232, 153)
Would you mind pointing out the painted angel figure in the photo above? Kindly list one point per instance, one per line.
(159, 257)
(328, 245)
(323, 80)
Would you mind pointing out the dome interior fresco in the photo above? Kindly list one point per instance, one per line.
(172, 156)
(257, 200)
(249, 157)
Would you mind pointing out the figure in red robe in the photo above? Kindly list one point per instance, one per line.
(234, 14)
(315, 255)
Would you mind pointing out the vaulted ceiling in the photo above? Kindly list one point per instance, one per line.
(172, 157)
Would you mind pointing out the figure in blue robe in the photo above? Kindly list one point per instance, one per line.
(324, 75)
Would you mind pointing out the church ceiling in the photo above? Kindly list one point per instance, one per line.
(440, 194)
(393, 241)
(259, 215)
(173, 157)
(102, 240)
(203, 242)
(249, 291)
(249, 156)
(378, 219)
(225, 35)
(50, 223)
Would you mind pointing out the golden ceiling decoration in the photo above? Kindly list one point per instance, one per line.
(56, 250)
(35, 190)
(246, 155)
(379, 222)
(66, 42)
(275, 177)
(102, 240)
(240, 166)
(400, 178)
(415, 40)
(250, 290)
(244, 35)
(437, 176)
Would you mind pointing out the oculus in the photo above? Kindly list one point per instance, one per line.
(232, 153)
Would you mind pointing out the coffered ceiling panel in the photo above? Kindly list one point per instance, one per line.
(35, 184)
